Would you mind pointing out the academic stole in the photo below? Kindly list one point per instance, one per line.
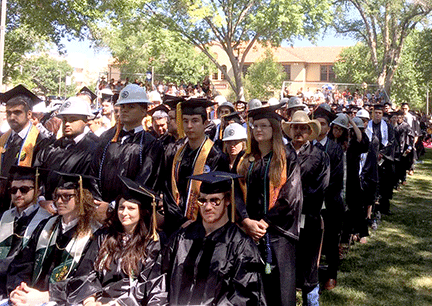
(71, 254)
(193, 185)
(7, 229)
(25, 155)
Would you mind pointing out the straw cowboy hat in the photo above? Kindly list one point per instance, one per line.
(300, 117)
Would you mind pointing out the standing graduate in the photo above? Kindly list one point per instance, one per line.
(212, 261)
(18, 223)
(334, 209)
(405, 140)
(274, 200)
(56, 246)
(124, 258)
(198, 155)
(315, 175)
(73, 152)
(128, 150)
(20, 144)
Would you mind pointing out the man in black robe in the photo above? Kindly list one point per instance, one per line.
(385, 134)
(212, 261)
(198, 155)
(128, 150)
(20, 144)
(405, 135)
(334, 209)
(315, 175)
(18, 223)
(73, 152)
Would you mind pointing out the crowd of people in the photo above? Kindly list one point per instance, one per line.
(131, 198)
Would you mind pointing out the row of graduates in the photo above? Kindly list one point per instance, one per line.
(283, 186)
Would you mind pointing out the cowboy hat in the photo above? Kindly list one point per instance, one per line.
(300, 117)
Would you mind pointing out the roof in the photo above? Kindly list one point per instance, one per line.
(317, 54)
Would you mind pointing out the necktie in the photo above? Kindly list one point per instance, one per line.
(320, 146)
(127, 136)
(66, 142)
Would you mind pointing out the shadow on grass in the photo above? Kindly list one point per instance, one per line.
(395, 266)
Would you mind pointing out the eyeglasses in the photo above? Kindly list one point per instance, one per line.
(213, 201)
(22, 189)
(64, 197)
(261, 126)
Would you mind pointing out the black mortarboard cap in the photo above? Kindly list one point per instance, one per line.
(233, 116)
(146, 196)
(196, 106)
(172, 101)
(21, 90)
(86, 91)
(268, 112)
(215, 182)
(72, 180)
(218, 182)
(27, 173)
(160, 107)
(378, 106)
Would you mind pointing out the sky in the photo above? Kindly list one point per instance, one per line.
(83, 47)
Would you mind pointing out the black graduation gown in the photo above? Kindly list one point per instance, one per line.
(315, 175)
(21, 268)
(222, 268)
(284, 226)
(9, 159)
(148, 288)
(175, 214)
(138, 158)
(405, 135)
(65, 156)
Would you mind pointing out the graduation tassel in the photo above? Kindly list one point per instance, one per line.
(179, 121)
(81, 195)
(155, 235)
(117, 133)
(249, 138)
(36, 188)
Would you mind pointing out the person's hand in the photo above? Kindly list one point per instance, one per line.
(48, 206)
(101, 211)
(255, 229)
(23, 295)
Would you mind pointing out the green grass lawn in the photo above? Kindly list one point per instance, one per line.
(395, 266)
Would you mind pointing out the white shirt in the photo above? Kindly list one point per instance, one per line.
(28, 211)
(66, 227)
(136, 130)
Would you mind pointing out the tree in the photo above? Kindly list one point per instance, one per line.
(138, 49)
(43, 75)
(264, 78)
(234, 24)
(384, 26)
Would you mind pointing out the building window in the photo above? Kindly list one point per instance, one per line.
(223, 72)
(327, 73)
(215, 76)
(287, 70)
(245, 68)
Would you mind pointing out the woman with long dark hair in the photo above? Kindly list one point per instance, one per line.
(127, 266)
(273, 203)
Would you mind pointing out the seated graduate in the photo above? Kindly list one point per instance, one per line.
(18, 223)
(56, 247)
(127, 266)
(211, 261)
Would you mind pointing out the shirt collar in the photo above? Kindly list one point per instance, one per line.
(26, 212)
(23, 132)
(81, 136)
(66, 227)
(137, 129)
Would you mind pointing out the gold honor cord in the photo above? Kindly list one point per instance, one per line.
(81, 195)
(155, 235)
(36, 186)
(249, 137)
(179, 121)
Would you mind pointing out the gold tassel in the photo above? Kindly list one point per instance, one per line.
(155, 235)
(81, 195)
(233, 205)
(179, 121)
(249, 138)
(36, 189)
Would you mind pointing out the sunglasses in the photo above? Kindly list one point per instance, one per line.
(213, 201)
(22, 189)
(64, 197)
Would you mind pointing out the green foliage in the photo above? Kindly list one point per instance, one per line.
(138, 48)
(42, 74)
(264, 78)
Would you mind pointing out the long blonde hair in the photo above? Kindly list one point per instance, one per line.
(278, 161)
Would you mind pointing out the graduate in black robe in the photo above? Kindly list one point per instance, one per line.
(315, 175)
(23, 141)
(105, 274)
(57, 245)
(404, 135)
(196, 156)
(211, 261)
(73, 152)
(128, 150)
(273, 204)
